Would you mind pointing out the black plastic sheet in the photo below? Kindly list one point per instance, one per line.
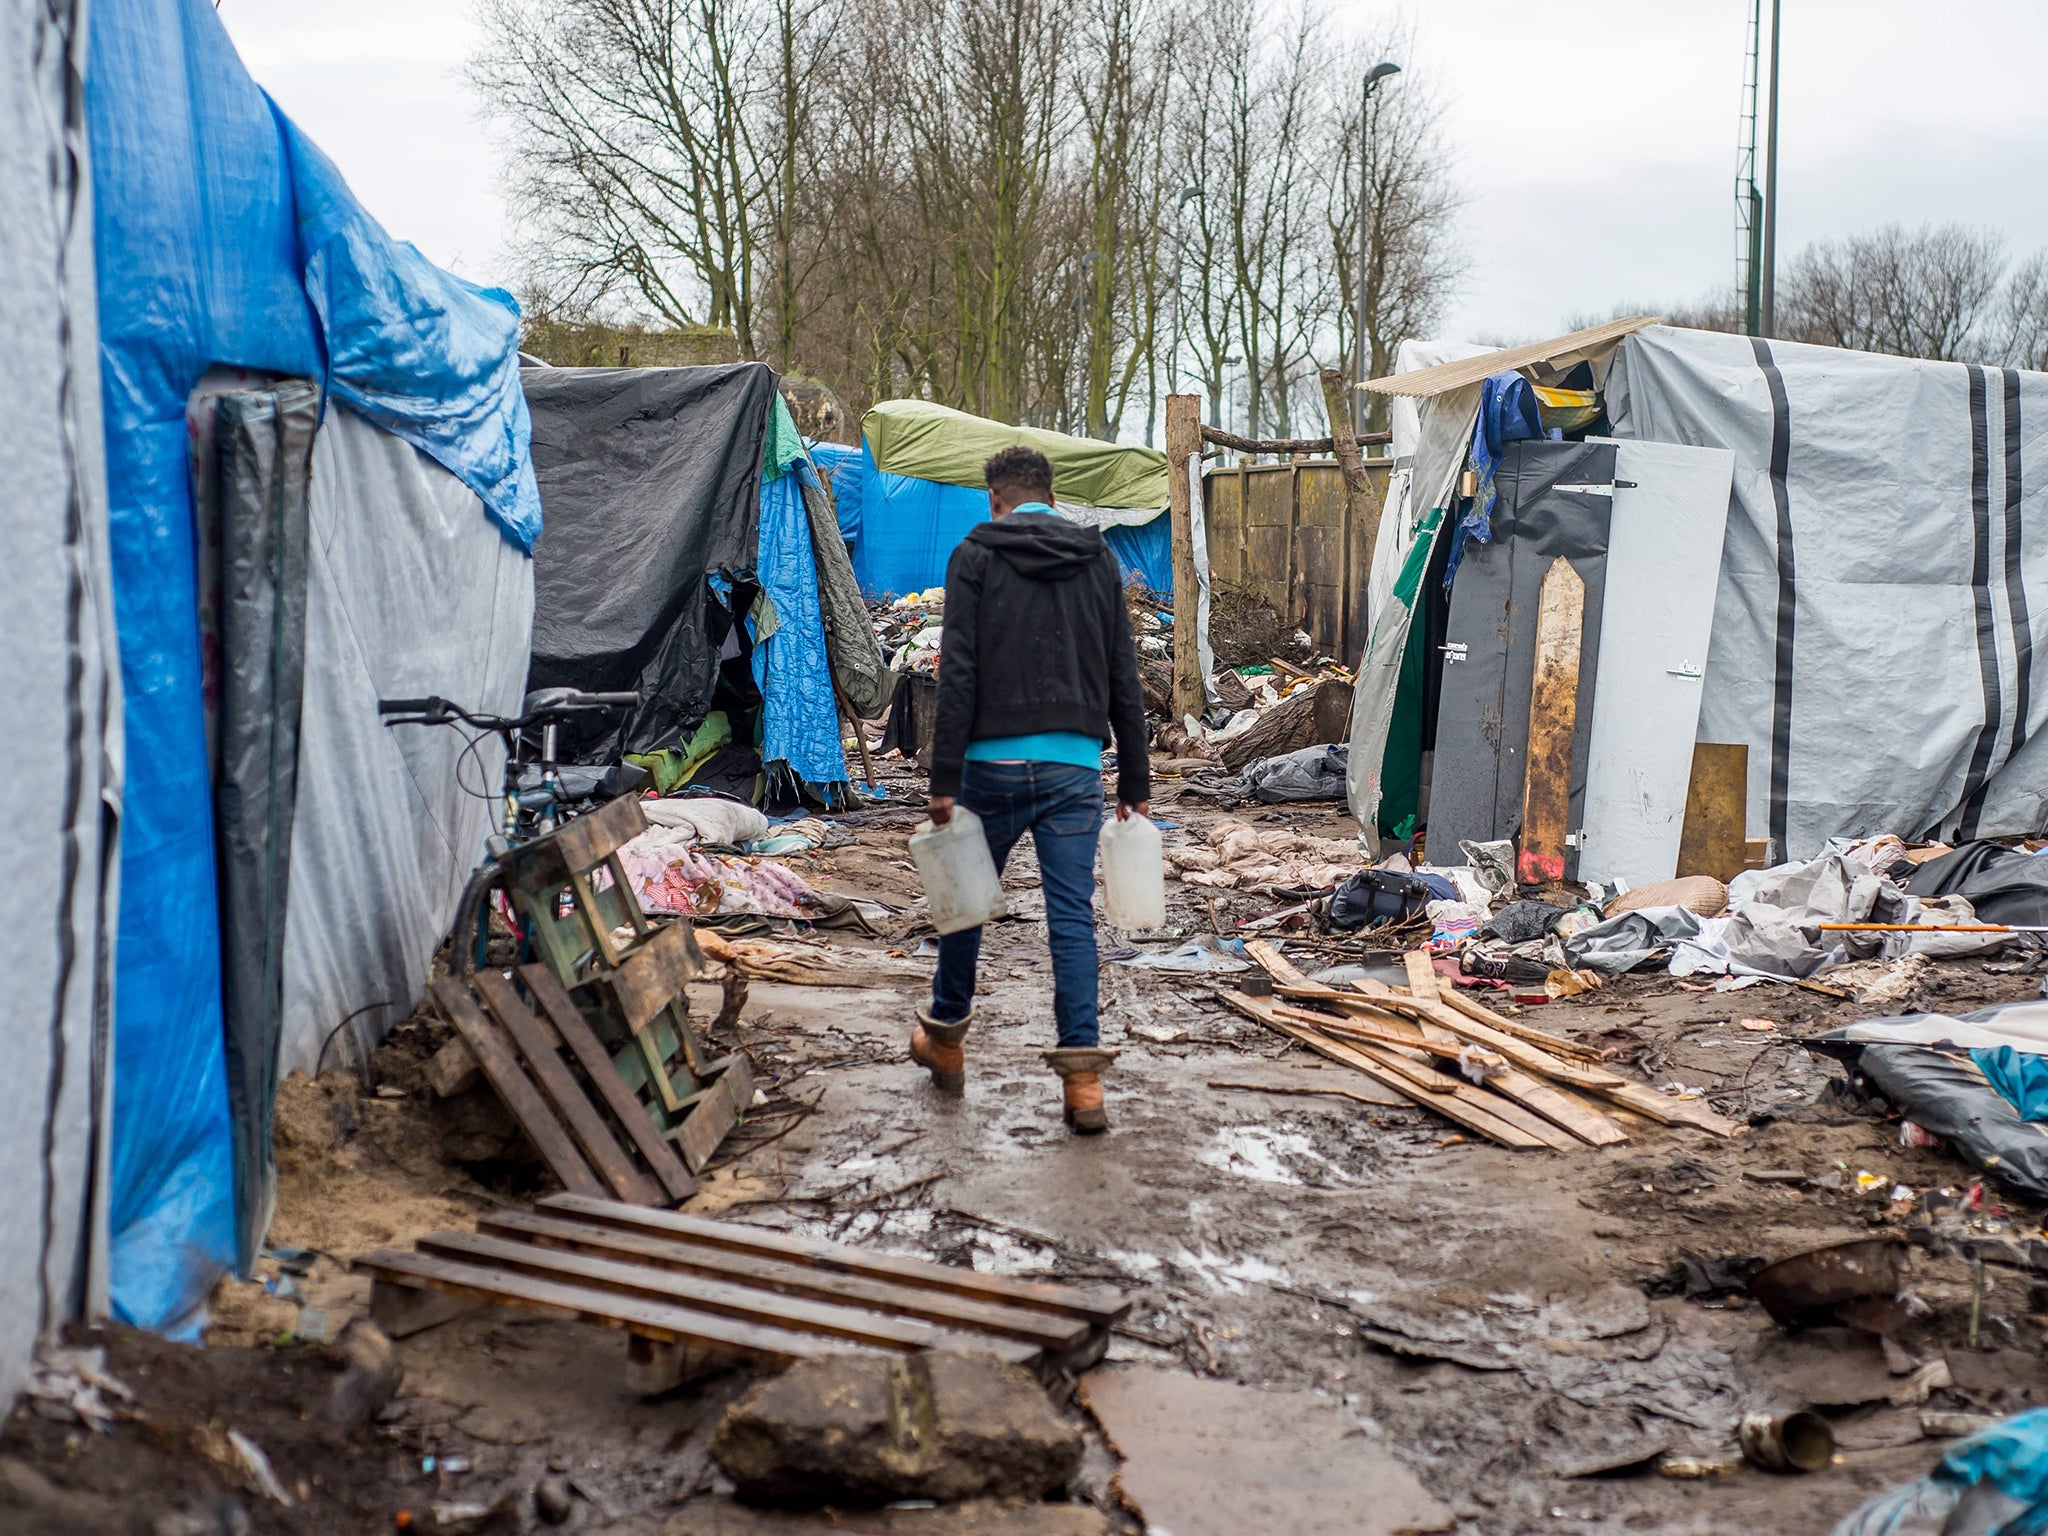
(649, 484)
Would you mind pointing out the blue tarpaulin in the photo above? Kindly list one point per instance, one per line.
(845, 470)
(905, 529)
(223, 236)
(799, 712)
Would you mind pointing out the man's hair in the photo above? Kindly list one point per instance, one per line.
(1019, 468)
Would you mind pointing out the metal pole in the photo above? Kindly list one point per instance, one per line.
(1358, 327)
(1767, 304)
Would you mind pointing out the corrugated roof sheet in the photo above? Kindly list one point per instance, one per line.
(1424, 382)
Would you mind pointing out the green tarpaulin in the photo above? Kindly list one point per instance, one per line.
(932, 442)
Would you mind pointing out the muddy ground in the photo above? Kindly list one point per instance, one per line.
(1274, 1239)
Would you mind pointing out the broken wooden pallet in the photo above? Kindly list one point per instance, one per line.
(688, 1288)
(591, 1129)
(1537, 1088)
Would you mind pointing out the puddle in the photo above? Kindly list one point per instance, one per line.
(1269, 1156)
(1232, 1275)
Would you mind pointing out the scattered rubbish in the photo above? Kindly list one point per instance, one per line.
(1159, 1034)
(1913, 1134)
(68, 1383)
(1757, 1026)
(257, 1467)
(1995, 1474)
(1854, 1283)
(1952, 1426)
(1798, 1441)
(1205, 955)
(1690, 1465)
(1705, 1279)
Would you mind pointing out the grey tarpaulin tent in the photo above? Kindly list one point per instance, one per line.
(57, 865)
(1879, 612)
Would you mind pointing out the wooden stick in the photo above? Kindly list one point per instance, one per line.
(1932, 928)
(1284, 444)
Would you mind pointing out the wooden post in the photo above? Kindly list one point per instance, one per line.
(1360, 505)
(1183, 441)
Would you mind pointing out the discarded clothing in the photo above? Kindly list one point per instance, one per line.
(1245, 858)
(1204, 955)
(2001, 1471)
(1699, 1279)
(708, 819)
(674, 877)
(2004, 885)
(1508, 413)
(1313, 773)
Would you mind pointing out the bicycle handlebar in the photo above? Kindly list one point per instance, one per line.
(546, 704)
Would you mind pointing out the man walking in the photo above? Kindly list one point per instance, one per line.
(1036, 670)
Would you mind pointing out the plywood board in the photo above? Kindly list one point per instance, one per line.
(1657, 617)
(1716, 812)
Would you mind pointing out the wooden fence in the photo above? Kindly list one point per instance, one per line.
(1280, 531)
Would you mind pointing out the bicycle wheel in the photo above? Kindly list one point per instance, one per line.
(470, 938)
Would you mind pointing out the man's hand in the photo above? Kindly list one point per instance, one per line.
(940, 809)
(1125, 810)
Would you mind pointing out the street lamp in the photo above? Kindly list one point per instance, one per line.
(1373, 77)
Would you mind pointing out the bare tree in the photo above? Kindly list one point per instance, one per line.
(2023, 321)
(1413, 262)
(1915, 293)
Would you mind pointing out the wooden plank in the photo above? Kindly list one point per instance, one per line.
(720, 1297)
(1516, 1050)
(400, 1311)
(1668, 1110)
(501, 1070)
(1558, 1107)
(1422, 985)
(1713, 840)
(654, 971)
(560, 1085)
(668, 1321)
(705, 1126)
(1047, 1330)
(1099, 1304)
(1479, 1013)
(1553, 1104)
(1458, 1108)
(603, 1073)
(576, 846)
(1553, 720)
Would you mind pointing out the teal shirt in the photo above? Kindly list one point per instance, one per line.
(1045, 747)
(1069, 747)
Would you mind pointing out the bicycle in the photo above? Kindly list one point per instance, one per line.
(538, 791)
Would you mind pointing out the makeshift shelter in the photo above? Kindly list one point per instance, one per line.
(58, 878)
(916, 488)
(1810, 553)
(692, 554)
(220, 311)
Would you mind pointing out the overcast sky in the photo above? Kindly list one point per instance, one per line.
(1598, 156)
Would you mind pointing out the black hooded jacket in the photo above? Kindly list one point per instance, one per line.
(1037, 638)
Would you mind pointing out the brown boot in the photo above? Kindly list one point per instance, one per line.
(937, 1048)
(1080, 1069)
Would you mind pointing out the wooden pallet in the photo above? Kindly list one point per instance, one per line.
(690, 1290)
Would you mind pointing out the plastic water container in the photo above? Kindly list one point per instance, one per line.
(1133, 874)
(960, 884)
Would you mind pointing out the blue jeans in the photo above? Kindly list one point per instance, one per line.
(1061, 807)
